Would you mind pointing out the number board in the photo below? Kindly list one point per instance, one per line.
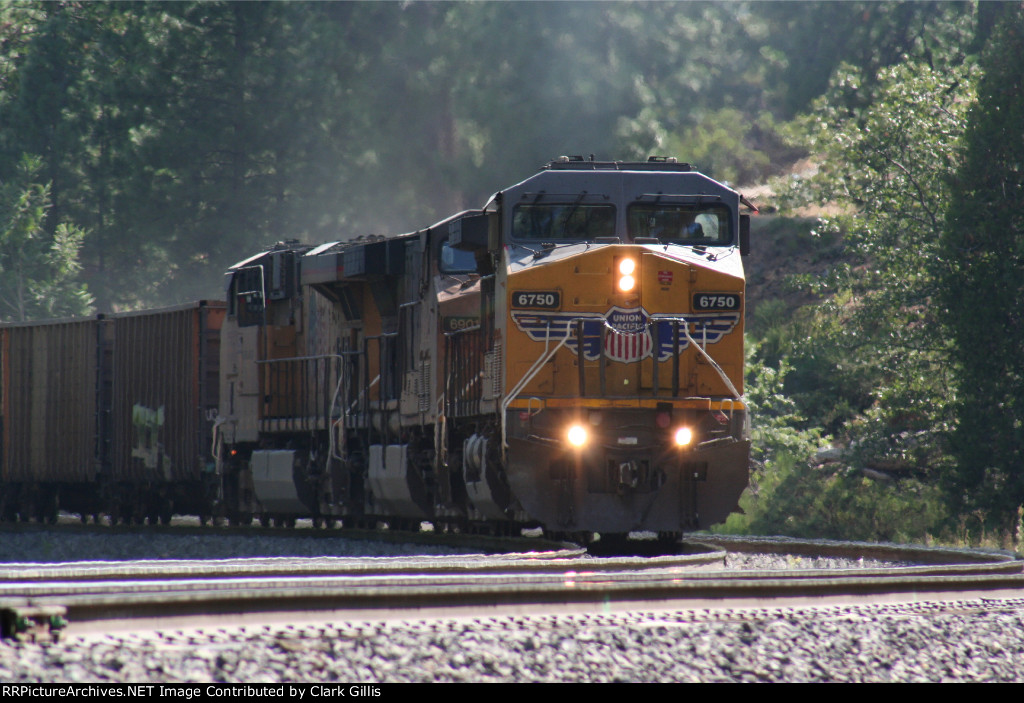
(717, 301)
(454, 323)
(537, 299)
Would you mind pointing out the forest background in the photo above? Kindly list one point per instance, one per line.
(145, 147)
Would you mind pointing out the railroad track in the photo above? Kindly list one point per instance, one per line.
(42, 602)
(183, 526)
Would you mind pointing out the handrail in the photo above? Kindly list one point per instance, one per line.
(714, 364)
(547, 353)
(335, 399)
(544, 357)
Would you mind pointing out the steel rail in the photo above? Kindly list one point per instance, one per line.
(851, 549)
(44, 616)
(261, 567)
(39, 606)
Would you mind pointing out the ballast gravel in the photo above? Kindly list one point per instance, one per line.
(53, 547)
(861, 644)
(975, 641)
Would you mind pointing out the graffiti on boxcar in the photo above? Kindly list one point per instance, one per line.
(147, 424)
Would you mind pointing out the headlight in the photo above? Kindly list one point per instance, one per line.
(626, 269)
(683, 436)
(577, 435)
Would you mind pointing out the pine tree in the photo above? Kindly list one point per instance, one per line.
(982, 253)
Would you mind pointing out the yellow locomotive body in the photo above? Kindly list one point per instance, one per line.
(571, 355)
(648, 368)
(624, 351)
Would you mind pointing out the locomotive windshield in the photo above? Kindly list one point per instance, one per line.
(563, 221)
(456, 260)
(681, 223)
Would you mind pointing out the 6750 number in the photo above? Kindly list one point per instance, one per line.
(716, 301)
(543, 299)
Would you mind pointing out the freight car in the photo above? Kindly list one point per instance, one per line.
(113, 414)
(570, 356)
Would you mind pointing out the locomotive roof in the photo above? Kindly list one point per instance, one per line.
(654, 163)
(618, 180)
(290, 245)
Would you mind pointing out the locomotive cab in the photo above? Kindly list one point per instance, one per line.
(618, 298)
(264, 323)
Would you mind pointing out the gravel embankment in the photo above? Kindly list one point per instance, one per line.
(833, 644)
(975, 643)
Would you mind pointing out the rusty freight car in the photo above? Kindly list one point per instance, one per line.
(48, 416)
(111, 414)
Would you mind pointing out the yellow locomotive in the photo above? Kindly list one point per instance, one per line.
(570, 356)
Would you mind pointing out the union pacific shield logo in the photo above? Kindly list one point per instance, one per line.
(628, 335)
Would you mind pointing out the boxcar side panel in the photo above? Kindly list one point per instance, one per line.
(49, 402)
(165, 363)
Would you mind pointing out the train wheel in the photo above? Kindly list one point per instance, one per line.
(165, 511)
(46, 505)
(507, 529)
(669, 539)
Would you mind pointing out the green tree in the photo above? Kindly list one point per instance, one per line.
(38, 268)
(982, 249)
(76, 99)
(797, 489)
(887, 170)
(808, 41)
(184, 135)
